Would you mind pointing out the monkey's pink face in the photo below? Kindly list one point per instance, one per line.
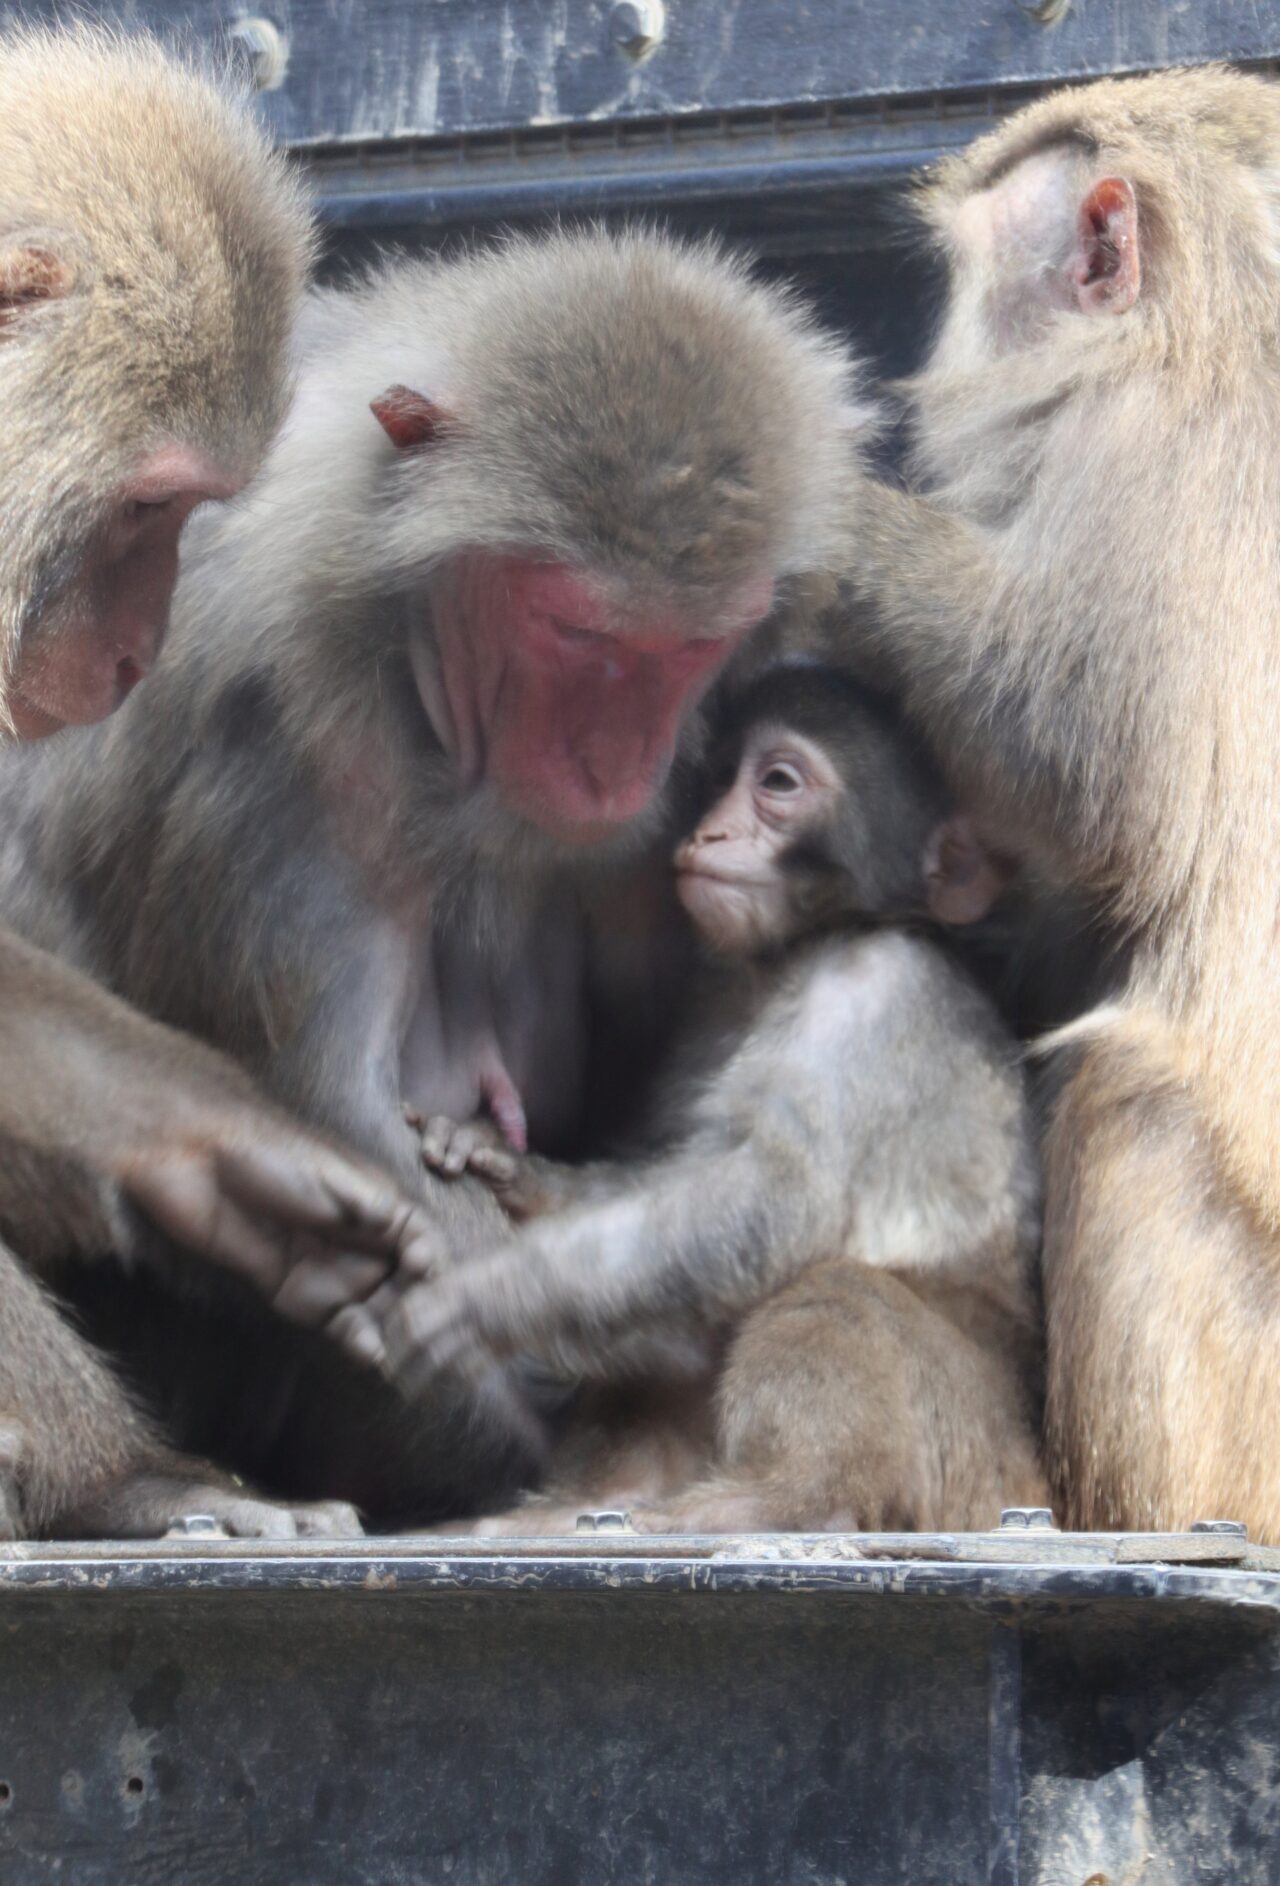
(565, 701)
(102, 630)
(731, 875)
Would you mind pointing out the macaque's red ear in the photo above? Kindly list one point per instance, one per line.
(1107, 266)
(962, 878)
(409, 419)
(30, 273)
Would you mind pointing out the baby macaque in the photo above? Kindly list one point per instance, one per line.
(831, 1237)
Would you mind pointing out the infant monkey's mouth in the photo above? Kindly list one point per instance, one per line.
(718, 877)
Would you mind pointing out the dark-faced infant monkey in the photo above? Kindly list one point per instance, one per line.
(841, 1196)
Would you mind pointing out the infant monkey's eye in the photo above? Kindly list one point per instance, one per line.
(781, 778)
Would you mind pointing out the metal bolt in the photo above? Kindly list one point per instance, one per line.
(1045, 12)
(603, 1522)
(195, 1526)
(637, 25)
(1039, 1517)
(1230, 1528)
(264, 49)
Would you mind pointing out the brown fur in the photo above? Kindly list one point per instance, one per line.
(1086, 619)
(151, 251)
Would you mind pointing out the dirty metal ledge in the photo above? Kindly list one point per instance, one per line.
(977, 1568)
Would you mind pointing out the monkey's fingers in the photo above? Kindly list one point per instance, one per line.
(444, 1145)
(450, 1147)
(495, 1165)
(432, 1331)
(277, 1226)
(315, 1288)
(313, 1187)
(490, 1308)
(182, 1195)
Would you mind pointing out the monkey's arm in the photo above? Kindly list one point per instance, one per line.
(683, 1243)
(950, 629)
(138, 1110)
(526, 1185)
(929, 575)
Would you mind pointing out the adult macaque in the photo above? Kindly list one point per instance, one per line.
(437, 674)
(1085, 615)
(151, 254)
(843, 1189)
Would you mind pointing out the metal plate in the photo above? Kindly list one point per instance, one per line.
(757, 1711)
(397, 69)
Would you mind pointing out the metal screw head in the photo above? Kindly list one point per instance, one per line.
(195, 1526)
(1045, 12)
(1230, 1528)
(265, 51)
(603, 1522)
(1039, 1517)
(637, 25)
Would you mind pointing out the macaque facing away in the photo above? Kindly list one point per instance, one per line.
(1083, 615)
(835, 1230)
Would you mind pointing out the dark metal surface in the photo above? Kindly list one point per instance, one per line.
(441, 113)
(998, 1708)
(379, 70)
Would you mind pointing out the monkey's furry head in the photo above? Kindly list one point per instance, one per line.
(152, 250)
(1201, 150)
(624, 400)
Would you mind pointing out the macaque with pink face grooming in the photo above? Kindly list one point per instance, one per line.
(429, 682)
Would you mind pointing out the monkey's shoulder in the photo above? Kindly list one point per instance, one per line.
(895, 976)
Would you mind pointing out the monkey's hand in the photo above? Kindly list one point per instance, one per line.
(521, 1301)
(450, 1147)
(312, 1229)
(525, 1185)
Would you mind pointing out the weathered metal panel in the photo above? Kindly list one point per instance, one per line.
(376, 70)
(765, 1713)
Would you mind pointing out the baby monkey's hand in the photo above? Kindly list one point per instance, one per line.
(523, 1184)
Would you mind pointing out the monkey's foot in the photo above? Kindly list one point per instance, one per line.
(708, 1507)
(146, 1505)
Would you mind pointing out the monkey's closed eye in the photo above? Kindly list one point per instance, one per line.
(138, 508)
(570, 632)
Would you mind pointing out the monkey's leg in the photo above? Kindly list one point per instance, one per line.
(626, 1447)
(1163, 1307)
(77, 1459)
(848, 1403)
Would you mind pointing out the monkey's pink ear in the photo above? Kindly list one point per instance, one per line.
(409, 419)
(1106, 269)
(30, 273)
(962, 878)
